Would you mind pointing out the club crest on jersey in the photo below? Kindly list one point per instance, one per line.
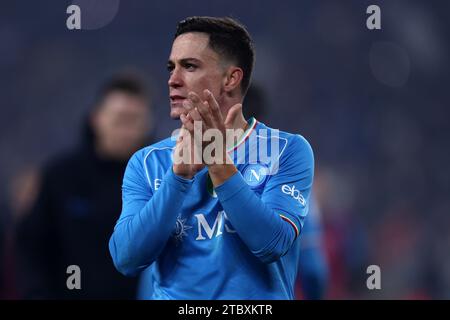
(255, 174)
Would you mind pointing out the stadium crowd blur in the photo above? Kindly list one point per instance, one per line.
(373, 104)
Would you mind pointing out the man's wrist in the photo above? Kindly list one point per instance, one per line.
(177, 181)
(185, 176)
(220, 173)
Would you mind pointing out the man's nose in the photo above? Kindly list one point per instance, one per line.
(175, 80)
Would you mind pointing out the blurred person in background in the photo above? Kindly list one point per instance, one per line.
(79, 199)
(345, 237)
(22, 192)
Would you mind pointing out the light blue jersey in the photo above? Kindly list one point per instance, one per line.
(239, 240)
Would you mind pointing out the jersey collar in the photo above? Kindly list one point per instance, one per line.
(247, 133)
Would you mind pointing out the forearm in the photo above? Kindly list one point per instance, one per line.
(139, 238)
(260, 227)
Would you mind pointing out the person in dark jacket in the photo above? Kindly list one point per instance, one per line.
(66, 233)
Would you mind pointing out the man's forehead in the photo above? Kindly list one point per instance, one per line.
(192, 45)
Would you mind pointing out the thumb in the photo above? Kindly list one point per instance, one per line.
(233, 114)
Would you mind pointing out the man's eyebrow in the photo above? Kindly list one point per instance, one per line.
(184, 60)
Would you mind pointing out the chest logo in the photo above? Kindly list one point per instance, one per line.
(181, 228)
(255, 174)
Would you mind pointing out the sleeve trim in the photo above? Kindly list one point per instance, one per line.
(297, 233)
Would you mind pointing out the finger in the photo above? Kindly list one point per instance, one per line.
(197, 122)
(194, 99)
(205, 112)
(187, 123)
(232, 114)
(214, 106)
(203, 109)
(181, 134)
(195, 115)
(187, 106)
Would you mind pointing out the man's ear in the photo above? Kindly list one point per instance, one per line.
(233, 79)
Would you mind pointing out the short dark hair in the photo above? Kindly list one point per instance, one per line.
(227, 37)
(125, 82)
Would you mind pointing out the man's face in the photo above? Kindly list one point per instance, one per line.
(193, 66)
(121, 124)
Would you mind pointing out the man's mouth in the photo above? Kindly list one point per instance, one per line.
(177, 99)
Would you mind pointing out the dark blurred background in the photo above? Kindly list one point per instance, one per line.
(373, 104)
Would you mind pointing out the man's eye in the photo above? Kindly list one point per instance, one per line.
(170, 69)
(190, 66)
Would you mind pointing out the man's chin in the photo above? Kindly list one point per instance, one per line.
(175, 112)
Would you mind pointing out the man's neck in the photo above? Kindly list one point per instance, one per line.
(241, 124)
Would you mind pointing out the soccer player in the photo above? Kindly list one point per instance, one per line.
(229, 226)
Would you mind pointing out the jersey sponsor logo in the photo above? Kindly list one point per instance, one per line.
(294, 193)
(220, 223)
(255, 174)
(181, 228)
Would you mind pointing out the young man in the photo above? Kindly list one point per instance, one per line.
(227, 226)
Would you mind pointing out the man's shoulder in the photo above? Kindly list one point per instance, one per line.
(155, 155)
(289, 142)
(163, 145)
(167, 143)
